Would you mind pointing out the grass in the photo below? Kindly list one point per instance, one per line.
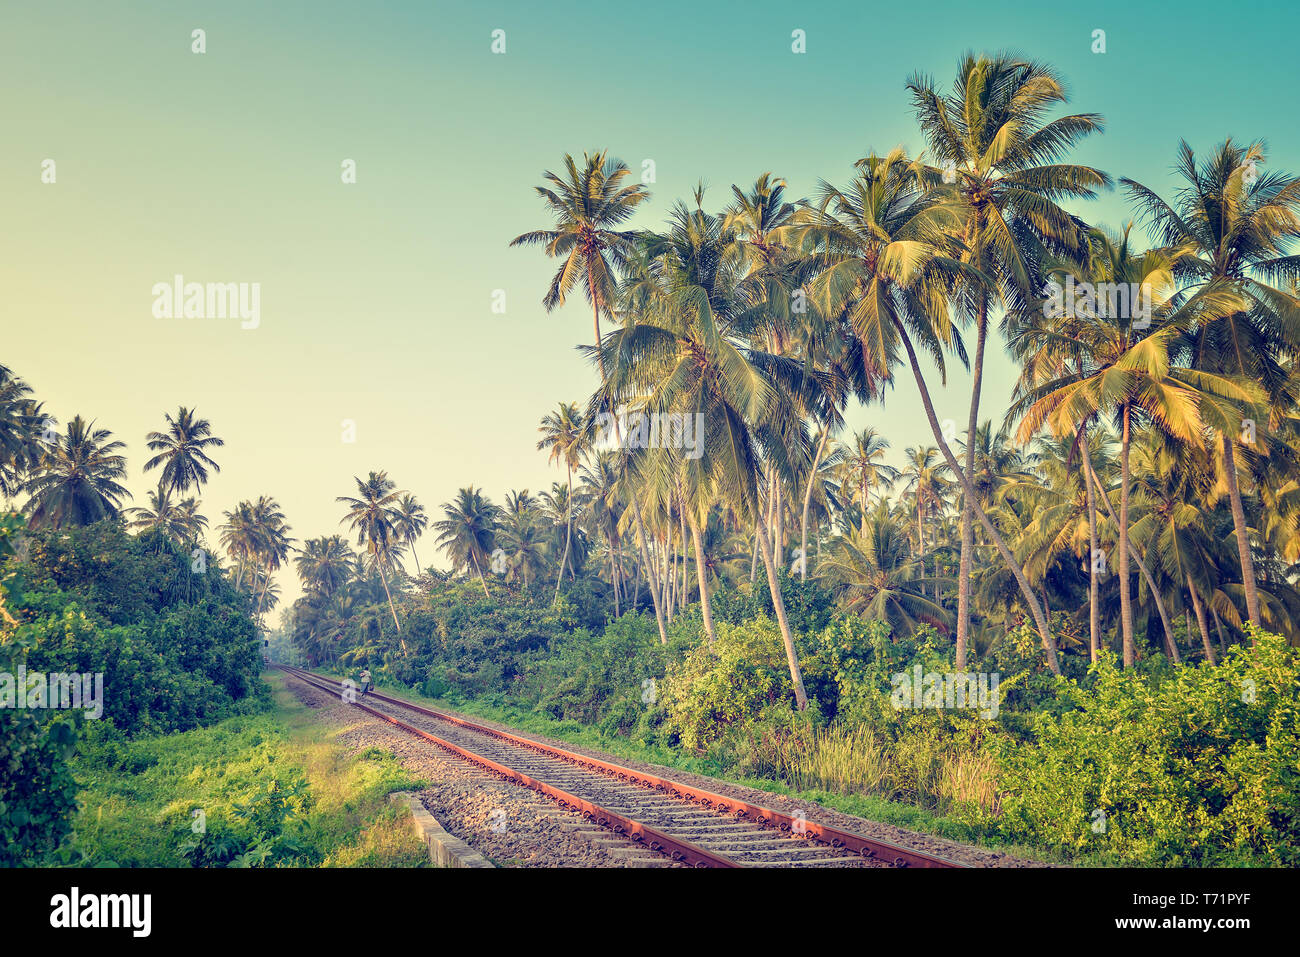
(277, 788)
(865, 805)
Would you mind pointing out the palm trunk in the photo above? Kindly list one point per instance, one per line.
(416, 559)
(701, 574)
(1026, 589)
(391, 607)
(1200, 621)
(967, 510)
(650, 583)
(613, 573)
(1239, 523)
(481, 580)
(636, 511)
(1125, 600)
(568, 529)
(1094, 609)
(796, 676)
(807, 503)
(1146, 576)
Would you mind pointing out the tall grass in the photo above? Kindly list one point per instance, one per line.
(861, 760)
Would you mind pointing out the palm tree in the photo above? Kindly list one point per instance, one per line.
(410, 522)
(468, 533)
(994, 139)
(21, 424)
(178, 521)
(1119, 372)
(683, 353)
(586, 207)
(600, 490)
(182, 451)
(76, 480)
(371, 514)
(924, 478)
(882, 247)
(239, 536)
(325, 564)
(873, 575)
(562, 436)
(862, 470)
(273, 542)
(1228, 234)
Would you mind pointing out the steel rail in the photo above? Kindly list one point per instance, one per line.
(869, 847)
(656, 840)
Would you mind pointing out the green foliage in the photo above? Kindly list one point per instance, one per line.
(95, 600)
(37, 790)
(273, 789)
(1199, 767)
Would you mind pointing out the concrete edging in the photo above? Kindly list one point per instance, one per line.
(445, 849)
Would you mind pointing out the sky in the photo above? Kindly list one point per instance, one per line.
(376, 297)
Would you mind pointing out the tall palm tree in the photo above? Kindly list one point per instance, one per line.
(587, 206)
(371, 515)
(183, 451)
(562, 437)
(410, 522)
(76, 481)
(884, 251)
(996, 141)
(1228, 233)
(468, 533)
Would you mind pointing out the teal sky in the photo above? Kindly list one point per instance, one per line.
(376, 297)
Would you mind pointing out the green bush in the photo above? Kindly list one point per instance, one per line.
(1200, 767)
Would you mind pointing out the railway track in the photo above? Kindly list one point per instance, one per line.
(683, 822)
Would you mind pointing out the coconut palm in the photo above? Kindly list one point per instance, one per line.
(273, 544)
(1123, 373)
(883, 248)
(76, 480)
(183, 452)
(325, 564)
(371, 514)
(1229, 233)
(875, 574)
(587, 206)
(410, 521)
(1000, 152)
(685, 352)
(468, 532)
(562, 437)
(22, 425)
(178, 521)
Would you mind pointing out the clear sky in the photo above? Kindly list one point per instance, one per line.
(376, 297)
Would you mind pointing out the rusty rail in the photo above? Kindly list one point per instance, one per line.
(674, 847)
(869, 847)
